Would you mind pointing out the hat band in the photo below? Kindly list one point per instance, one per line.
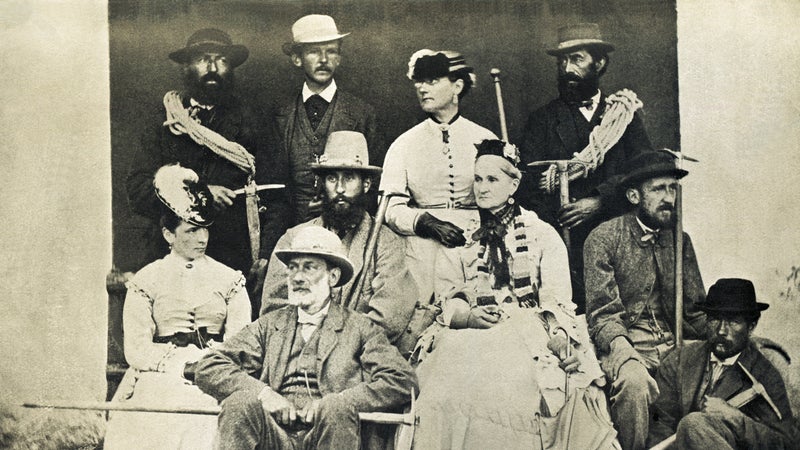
(341, 162)
(579, 43)
(316, 37)
(210, 42)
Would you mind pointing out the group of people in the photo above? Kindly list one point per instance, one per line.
(467, 286)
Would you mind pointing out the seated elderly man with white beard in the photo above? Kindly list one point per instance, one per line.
(299, 375)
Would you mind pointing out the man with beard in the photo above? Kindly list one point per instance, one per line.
(299, 375)
(388, 293)
(692, 402)
(306, 120)
(208, 130)
(630, 291)
(562, 128)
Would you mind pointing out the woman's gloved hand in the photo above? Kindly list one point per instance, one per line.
(446, 233)
(477, 317)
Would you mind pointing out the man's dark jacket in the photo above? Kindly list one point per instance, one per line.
(558, 131)
(679, 393)
(350, 113)
(229, 241)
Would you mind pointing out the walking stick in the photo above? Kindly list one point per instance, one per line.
(495, 73)
(369, 252)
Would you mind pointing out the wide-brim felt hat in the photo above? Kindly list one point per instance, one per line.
(732, 296)
(578, 36)
(180, 191)
(345, 150)
(317, 241)
(211, 40)
(313, 29)
(649, 165)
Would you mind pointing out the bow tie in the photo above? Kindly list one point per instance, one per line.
(310, 320)
(650, 237)
(588, 104)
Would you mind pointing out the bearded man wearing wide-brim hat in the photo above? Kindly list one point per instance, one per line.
(299, 375)
(695, 388)
(306, 119)
(630, 290)
(382, 286)
(206, 128)
(562, 128)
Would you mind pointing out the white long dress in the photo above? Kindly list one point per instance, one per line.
(169, 296)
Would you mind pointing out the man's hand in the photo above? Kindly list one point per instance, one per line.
(578, 212)
(314, 207)
(446, 233)
(278, 406)
(223, 197)
(720, 408)
(484, 317)
(621, 352)
(309, 412)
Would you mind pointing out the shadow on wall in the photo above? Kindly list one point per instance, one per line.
(509, 35)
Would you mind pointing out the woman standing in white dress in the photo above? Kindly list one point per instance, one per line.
(429, 168)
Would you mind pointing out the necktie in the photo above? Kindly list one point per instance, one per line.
(650, 237)
(308, 324)
(316, 107)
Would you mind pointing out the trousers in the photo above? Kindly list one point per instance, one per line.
(243, 424)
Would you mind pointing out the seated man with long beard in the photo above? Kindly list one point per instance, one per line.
(388, 293)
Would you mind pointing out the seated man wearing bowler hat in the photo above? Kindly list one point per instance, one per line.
(319, 108)
(630, 294)
(205, 127)
(299, 375)
(388, 293)
(695, 390)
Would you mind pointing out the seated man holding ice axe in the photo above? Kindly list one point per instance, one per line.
(299, 375)
(723, 393)
(381, 287)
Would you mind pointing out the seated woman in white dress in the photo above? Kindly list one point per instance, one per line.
(176, 308)
(497, 370)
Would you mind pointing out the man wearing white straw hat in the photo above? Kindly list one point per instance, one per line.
(318, 109)
(388, 293)
(299, 375)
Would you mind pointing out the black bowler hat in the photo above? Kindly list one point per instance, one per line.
(649, 165)
(213, 40)
(732, 296)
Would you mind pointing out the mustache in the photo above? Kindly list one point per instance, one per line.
(212, 77)
(570, 77)
(324, 68)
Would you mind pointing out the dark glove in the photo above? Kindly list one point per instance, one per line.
(446, 233)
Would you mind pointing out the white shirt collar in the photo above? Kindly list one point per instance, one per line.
(644, 227)
(180, 261)
(193, 102)
(303, 316)
(587, 111)
(727, 361)
(326, 93)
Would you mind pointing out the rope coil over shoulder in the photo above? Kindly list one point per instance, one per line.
(620, 109)
(179, 122)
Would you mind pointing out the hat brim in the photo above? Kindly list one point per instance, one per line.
(236, 54)
(288, 47)
(647, 173)
(758, 306)
(342, 263)
(575, 44)
(372, 170)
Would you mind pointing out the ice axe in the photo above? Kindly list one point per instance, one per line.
(737, 401)
(563, 167)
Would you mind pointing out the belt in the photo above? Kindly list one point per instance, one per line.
(449, 205)
(199, 337)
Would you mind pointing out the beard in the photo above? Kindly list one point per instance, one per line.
(343, 216)
(663, 218)
(209, 94)
(316, 293)
(584, 89)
